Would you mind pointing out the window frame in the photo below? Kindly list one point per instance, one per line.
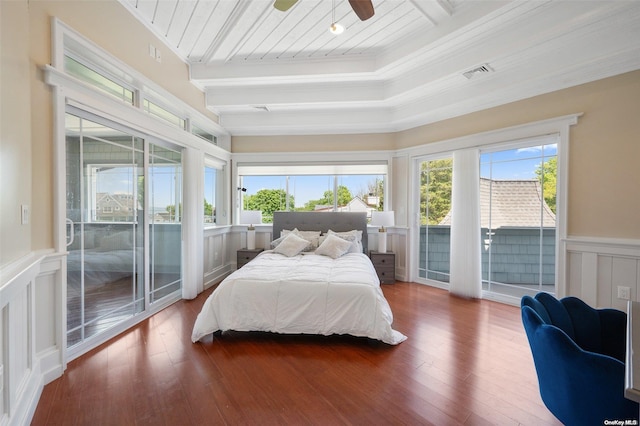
(274, 164)
(497, 139)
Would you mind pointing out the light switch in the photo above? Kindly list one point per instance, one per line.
(24, 214)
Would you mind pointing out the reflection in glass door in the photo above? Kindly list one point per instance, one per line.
(105, 269)
(165, 217)
(107, 266)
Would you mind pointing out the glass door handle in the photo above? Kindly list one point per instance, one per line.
(70, 235)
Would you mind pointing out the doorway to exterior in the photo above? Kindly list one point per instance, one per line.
(124, 209)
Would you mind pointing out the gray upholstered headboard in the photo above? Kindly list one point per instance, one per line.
(322, 221)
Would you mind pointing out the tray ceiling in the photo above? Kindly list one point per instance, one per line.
(414, 62)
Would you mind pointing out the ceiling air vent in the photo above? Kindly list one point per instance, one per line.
(482, 69)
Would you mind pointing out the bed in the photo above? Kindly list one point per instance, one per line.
(305, 293)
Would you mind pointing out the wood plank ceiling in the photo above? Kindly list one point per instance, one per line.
(414, 62)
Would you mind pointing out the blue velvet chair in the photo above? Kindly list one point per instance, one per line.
(578, 352)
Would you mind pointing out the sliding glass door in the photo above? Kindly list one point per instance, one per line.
(435, 222)
(119, 260)
(165, 221)
(518, 219)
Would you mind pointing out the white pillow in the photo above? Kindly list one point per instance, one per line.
(354, 236)
(334, 247)
(291, 245)
(311, 236)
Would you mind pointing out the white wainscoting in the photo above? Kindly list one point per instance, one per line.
(596, 267)
(30, 332)
(217, 254)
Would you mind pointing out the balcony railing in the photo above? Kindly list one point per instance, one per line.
(510, 256)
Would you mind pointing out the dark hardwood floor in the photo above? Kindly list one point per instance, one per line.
(465, 362)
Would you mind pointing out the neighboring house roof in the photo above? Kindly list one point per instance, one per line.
(514, 203)
(126, 202)
(355, 205)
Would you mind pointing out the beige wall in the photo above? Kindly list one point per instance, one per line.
(109, 25)
(15, 130)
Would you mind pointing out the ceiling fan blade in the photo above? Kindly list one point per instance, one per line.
(362, 8)
(284, 5)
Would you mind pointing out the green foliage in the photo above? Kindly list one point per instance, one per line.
(208, 208)
(435, 190)
(547, 175)
(268, 201)
(344, 196)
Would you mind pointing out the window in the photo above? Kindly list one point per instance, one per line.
(98, 80)
(534, 155)
(210, 195)
(163, 113)
(203, 134)
(435, 219)
(311, 188)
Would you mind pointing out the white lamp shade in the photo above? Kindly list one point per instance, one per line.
(382, 219)
(250, 217)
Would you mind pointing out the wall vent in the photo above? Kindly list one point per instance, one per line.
(482, 69)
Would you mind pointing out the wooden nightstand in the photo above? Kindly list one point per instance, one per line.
(385, 265)
(245, 255)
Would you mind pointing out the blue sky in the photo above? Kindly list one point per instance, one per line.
(516, 163)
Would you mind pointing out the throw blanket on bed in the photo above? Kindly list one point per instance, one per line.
(303, 294)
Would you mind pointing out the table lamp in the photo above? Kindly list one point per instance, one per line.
(251, 217)
(382, 219)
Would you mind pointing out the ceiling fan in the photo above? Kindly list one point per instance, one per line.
(362, 8)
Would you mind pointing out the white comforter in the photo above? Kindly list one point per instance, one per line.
(304, 294)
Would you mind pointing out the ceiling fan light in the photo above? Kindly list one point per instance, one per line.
(336, 28)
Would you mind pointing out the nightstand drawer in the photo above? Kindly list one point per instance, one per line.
(383, 260)
(386, 275)
(385, 266)
(244, 256)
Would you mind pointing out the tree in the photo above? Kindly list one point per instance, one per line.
(435, 190)
(379, 191)
(208, 208)
(547, 176)
(344, 196)
(209, 212)
(268, 201)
